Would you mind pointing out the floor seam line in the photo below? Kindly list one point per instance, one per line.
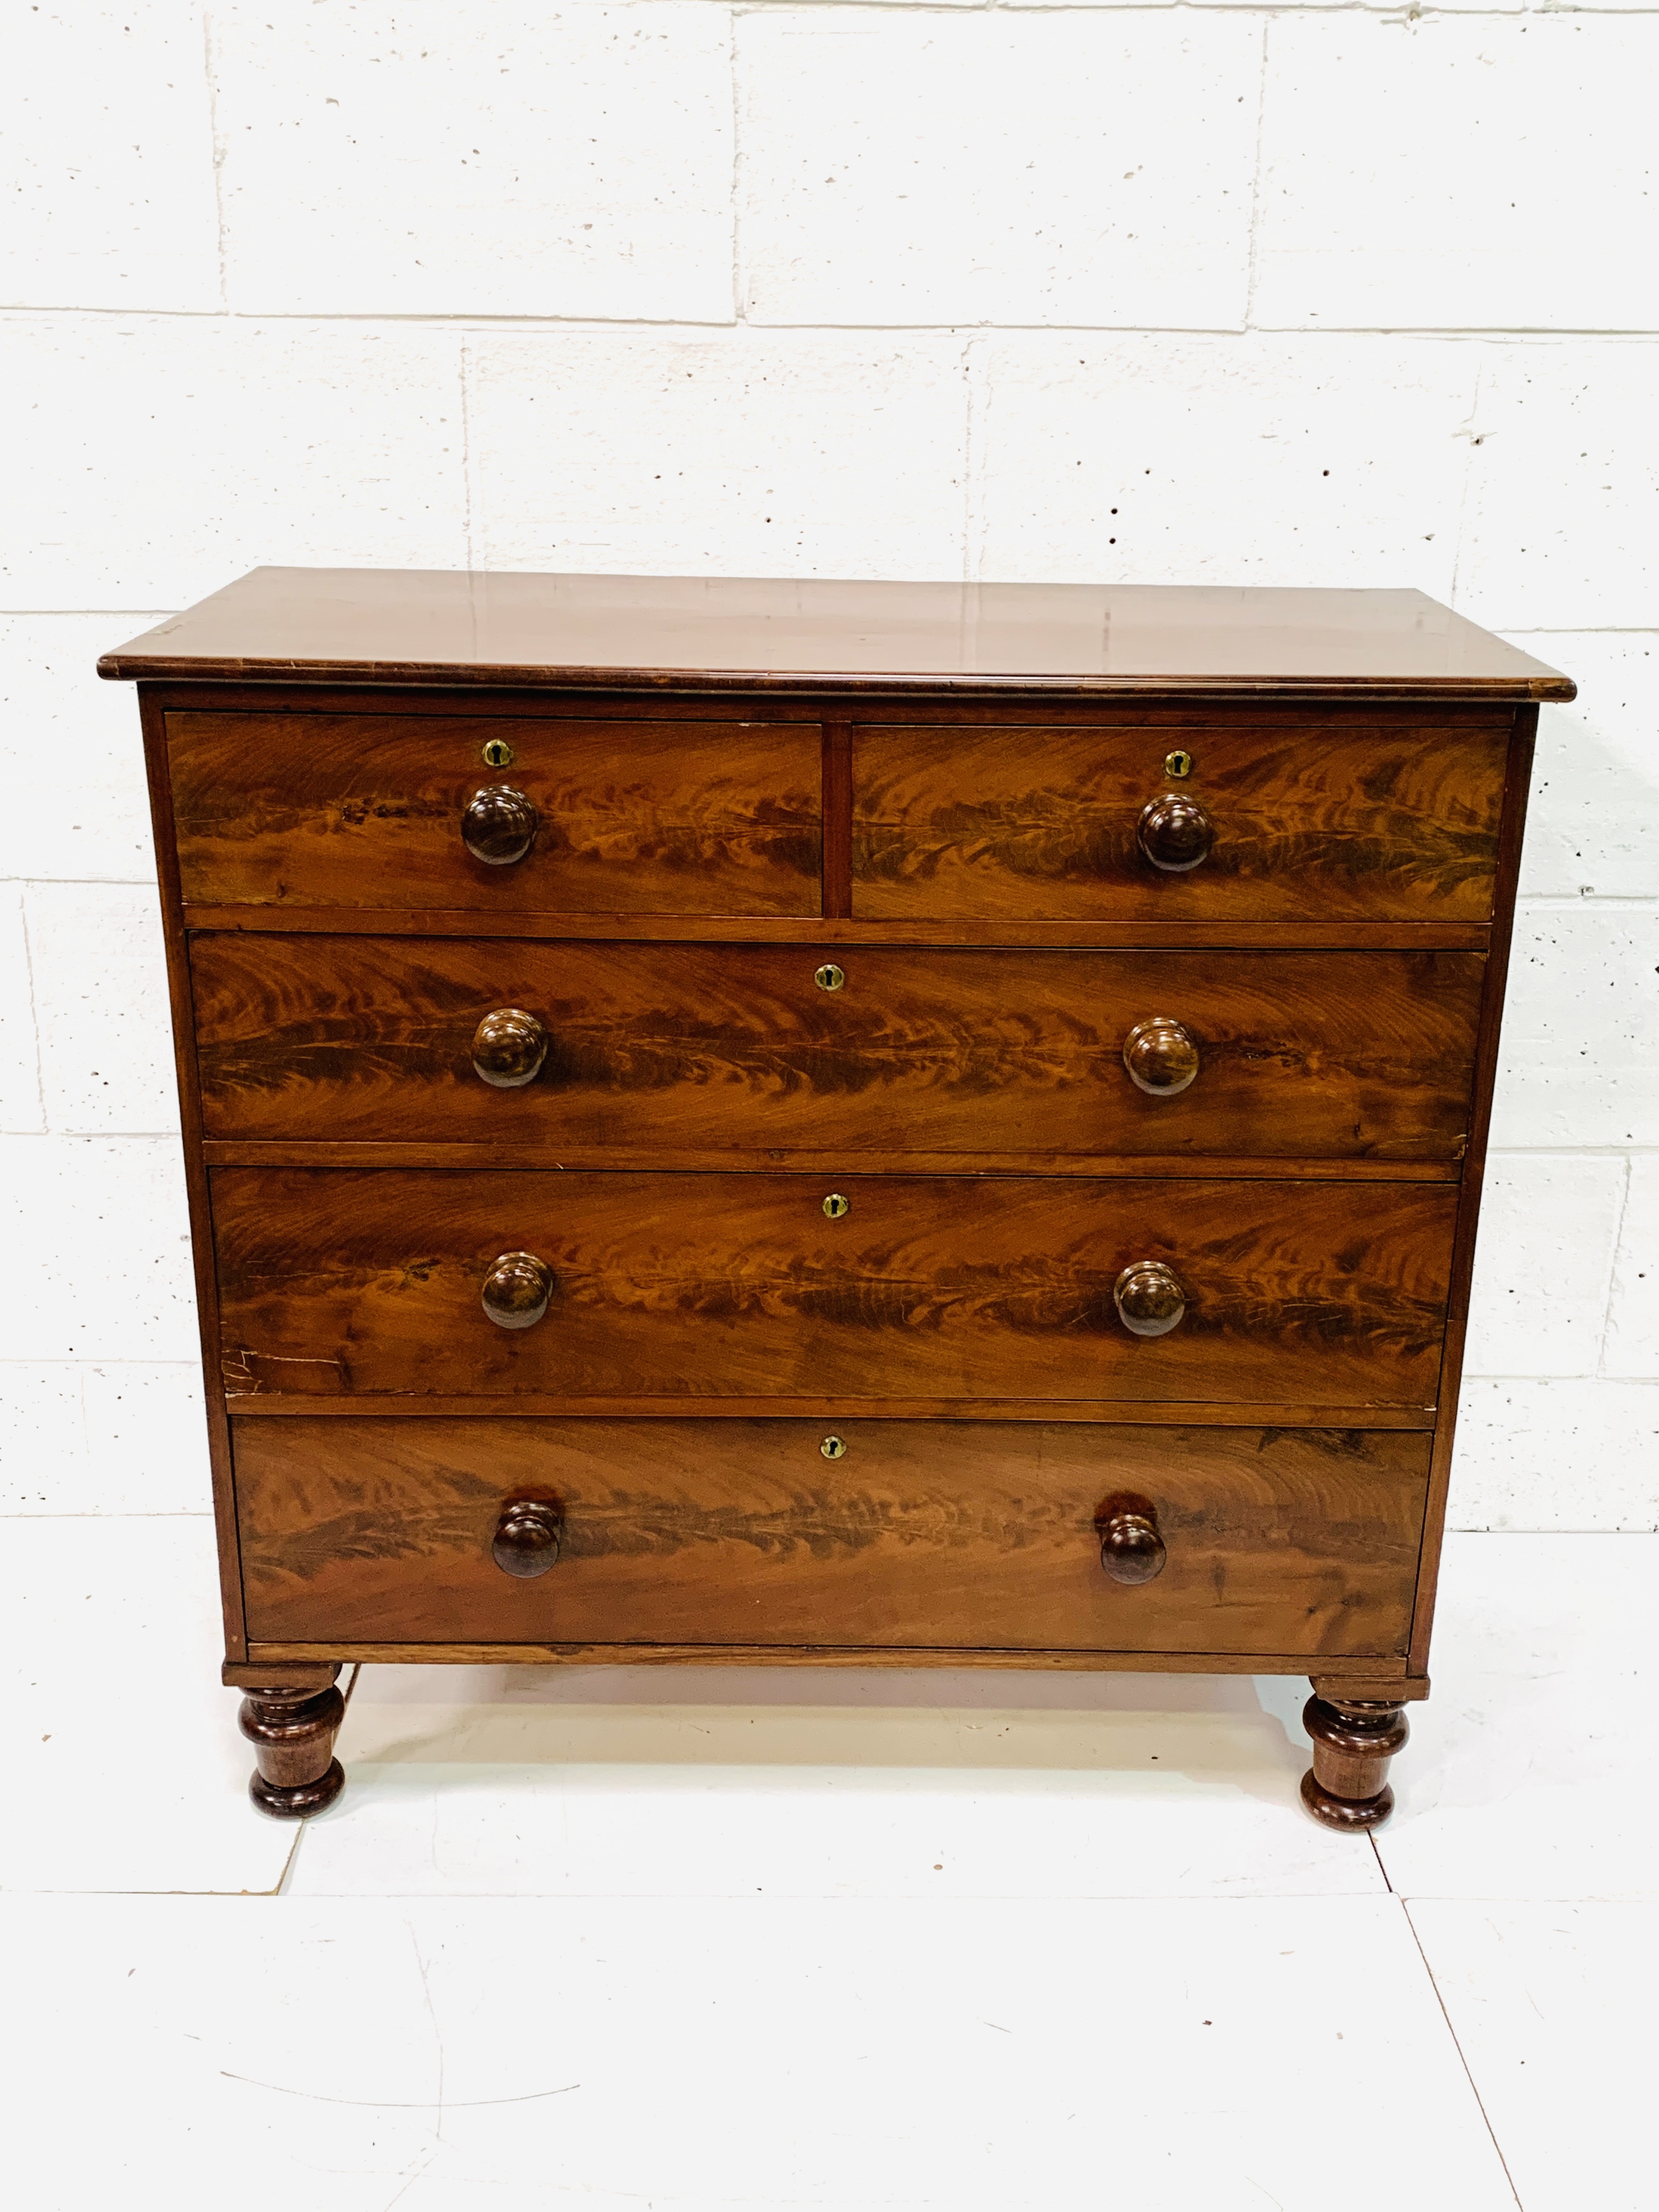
(1371, 1837)
(290, 1863)
(1457, 2047)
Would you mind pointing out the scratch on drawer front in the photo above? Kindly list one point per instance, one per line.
(240, 1369)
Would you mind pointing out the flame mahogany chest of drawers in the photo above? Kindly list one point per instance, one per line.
(847, 1123)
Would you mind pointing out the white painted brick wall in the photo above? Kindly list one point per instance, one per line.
(1356, 295)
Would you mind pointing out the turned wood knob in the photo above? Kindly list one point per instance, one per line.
(1161, 1058)
(1174, 832)
(526, 1539)
(1131, 1549)
(1149, 1298)
(508, 1048)
(499, 825)
(516, 1289)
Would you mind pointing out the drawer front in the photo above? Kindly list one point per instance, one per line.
(975, 1535)
(365, 811)
(1312, 816)
(706, 1285)
(675, 1048)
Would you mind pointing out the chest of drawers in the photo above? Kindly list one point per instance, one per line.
(879, 1124)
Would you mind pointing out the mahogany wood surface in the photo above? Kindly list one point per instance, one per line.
(647, 816)
(1371, 1677)
(736, 1049)
(1468, 1212)
(1354, 1740)
(175, 941)
(1274, 833)
(1316, 813)
(391, 626)
(828, 933)
(292, 1727)
(327, 1152)
(934, 1535)
(1279, 1413)
(669, 1287)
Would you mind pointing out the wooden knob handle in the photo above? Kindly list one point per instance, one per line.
(516, 1289)
(527, 1537)
(1149, 1298)
(508, 1048)
(1130, 1548)
(499, 825)
(1161, 1058)
(1174, 833)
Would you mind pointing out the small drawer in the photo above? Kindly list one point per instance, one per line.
(970, 1535)
(363, 1282)
(1293, 815)
(623, 816)
(673, 1049)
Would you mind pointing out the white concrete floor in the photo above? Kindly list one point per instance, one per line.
(700, 1938)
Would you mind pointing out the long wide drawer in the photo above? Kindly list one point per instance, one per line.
(972, 1535)
(663, 1286)
(618, 815)
(1283, 813)
(739, 1048)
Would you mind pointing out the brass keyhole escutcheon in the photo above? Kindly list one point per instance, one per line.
(497, 753)
(834, 1448)
(837, 1207)
(1178, 763)
(829, 977)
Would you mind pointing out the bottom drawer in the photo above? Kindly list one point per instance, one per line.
(967, 1535)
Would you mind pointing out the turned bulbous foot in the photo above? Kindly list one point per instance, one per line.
(1353, 1740)
(292, 1731)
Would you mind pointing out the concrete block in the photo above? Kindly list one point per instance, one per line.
(98, 1241)
(1581, 1454)
(502, 160)
(1581, 1029)
(1592, 820)
(80, 1439)
(146, 1432)
(155, 459)
(1633, 1345)
(1092, 167)
(1428, 172)
(43, 1444)
(21, 1110)
(1548, 1224)
(110, 198)
(1228, 460)
(100, 1000)
(771, 454)
(71, 761)
(1564, 486)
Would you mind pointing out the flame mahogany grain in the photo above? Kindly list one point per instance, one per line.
(956, 791)
(652, 816)
(676, 1049)
(1317, 814)
(931, 1534)
(700, 1287)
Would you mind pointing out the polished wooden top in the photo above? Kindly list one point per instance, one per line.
(430, 626)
